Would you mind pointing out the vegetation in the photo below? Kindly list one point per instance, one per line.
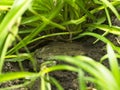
(21, 21)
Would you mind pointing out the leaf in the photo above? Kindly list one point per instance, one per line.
(16, 75)
(113, 63)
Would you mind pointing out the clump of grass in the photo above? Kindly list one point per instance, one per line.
(67, 16)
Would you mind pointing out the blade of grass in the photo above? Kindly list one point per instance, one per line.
(108, 4)
(6, 2)
(81, 4)
(10, 38)
(27, 82)
(57, 84)
(82, 84)
(9, 23)
(113, 29)
(16, 75)
(51, 35)
(105, 40)
(113, 63)
(17, 10)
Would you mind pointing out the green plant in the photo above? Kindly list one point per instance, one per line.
(28, 18)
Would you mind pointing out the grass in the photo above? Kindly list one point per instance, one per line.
(22, 20)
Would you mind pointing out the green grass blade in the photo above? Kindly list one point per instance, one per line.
(6, 2)
(107, 28)
(5, 5)
(108, 4)
(81, 76)
(16, 75)
(16, 11)
(81, 4)
(57, 84)
(10, 24)
(105, 40)
(113, 63)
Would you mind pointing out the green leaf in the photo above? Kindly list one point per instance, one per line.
(108, 4)
(113, 63)
(9, 26)
(16, 75)
(107, 28)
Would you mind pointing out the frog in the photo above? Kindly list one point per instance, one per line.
(54, 49)
(58, 48)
